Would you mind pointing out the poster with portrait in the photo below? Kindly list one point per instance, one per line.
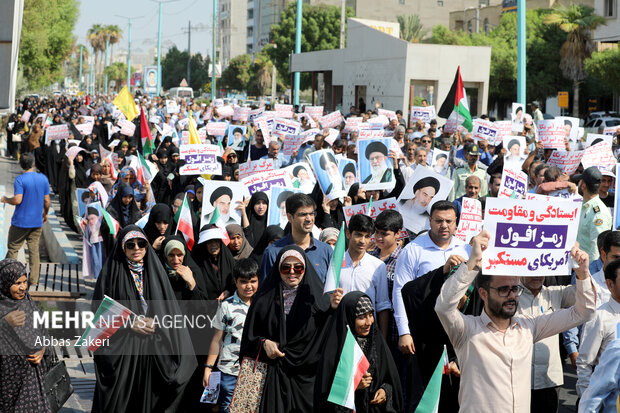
(326, 170)
(302, 176)
(348, 171)
(225, 196)
(515, 148)
(84, 198)
(424, 188)
(236, 138)
(441, 162)
(375, 167)
(594, 138)
(571, 129)
(150, 79)
(516, 114)
(277, 205)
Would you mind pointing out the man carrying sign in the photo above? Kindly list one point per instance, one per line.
(595, 216)
(495, 349)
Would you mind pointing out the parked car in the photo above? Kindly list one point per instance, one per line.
(597, 125)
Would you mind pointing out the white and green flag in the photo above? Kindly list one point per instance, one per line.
(332, 281)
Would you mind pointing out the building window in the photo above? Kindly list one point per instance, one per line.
(486, 25)
(401, 1)
(251, 14)
(439, 3)
(610, 8)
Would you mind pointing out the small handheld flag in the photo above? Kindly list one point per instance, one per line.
(333, 272)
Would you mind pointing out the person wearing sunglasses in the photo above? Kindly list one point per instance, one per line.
(495, 349)
(133, 275)
(284, 329)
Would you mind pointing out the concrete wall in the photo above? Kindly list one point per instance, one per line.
(611, 31)
(10, 30)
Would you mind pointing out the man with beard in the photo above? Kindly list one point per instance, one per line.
(376, 153)
(495, 349)
(348, 174)
(414, 210)
(329, 165)
(220, 199)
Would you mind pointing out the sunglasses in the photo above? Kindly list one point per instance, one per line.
(286, 268)
(131, 245)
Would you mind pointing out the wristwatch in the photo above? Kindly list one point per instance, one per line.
(211, 366)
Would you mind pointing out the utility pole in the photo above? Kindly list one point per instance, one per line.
(129, 48)
(521, 73)
(214, 49)
(189, 50)
(159, 73)
(297, 47)
(90, 82)
(80, 75)
(107, 44)
(342, 17)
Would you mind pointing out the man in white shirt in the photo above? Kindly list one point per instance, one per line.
(363, 272)
(599, 332)
(610, 252)
(424, 254)
(494, 349)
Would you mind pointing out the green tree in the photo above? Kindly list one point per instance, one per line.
(603, 66)
(578, 21)
(411, 28)
(174, 69)
(236, 76)
(320, 30)
(118, 72)
(46, 40)
(96, 38)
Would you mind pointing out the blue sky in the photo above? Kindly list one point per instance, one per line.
(175, 17)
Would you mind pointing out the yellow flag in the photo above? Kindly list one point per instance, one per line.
(125, 103)
(193, 132)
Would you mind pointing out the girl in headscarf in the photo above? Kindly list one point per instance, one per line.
(159, 225)
(254, 217)
(197, 202)
(238, 245)
(161, 188)
(78, 172)
(216, 262)
(21, 370)
(127, 176)
(144, 368)
(380, 389)
(271, 234)
(123, 207)
(284, 328)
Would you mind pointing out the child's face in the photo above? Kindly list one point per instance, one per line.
(246, 288)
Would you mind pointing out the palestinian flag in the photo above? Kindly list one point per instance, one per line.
(184, 219)
(351, 367)
(145, 133)
(333, 272)
(111, 222)
(110, 316)
(430, 399)
(193, 132)
(455, 108)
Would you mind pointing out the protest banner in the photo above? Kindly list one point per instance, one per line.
(308, 118)
(390, 114)
(529, 238)
(310, 134)
(567, 161)
(276, 212)
(551, 133)
(423, 113)
(332, 136)
(57, 132)
(484, 129)
(513, 185)
(218, 103)
(89, 119)
(594, 138)
(374, 167)
(373, 209)
(331, 120)
(352, 124)
(183, 123)
(253, 114)
(241, 113)
(549, 198)
(261, 124)
(200, 159)
(371, 134)
(72, 151)
(85, 128)
(315, 112)
(283, 127)
(224, 196)
(217, 128)
(283, 111)
(599, 155)
(26, 116)
(127, 128)
(291, 144)
(470, 222)
(378, 122)
(505, 129)
(263, 181)
(571, 127)
(226, 111)
(172, 106)
(250, 168)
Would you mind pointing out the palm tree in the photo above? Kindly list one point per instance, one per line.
(115, 34)
(95, 38)
(411, 28)
(578, 21)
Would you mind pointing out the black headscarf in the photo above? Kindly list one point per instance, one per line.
(178, 284)
(290, 380)
(382, 367)
(258, 223)
(217, 281)
(271, 233)
(124, 214)
(81, 179)
(138, 373)
(159, 213)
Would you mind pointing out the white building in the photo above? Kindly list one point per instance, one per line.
(376, 66)
(232, 22)
(609, 33)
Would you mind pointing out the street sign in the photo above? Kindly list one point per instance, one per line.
(563, 100)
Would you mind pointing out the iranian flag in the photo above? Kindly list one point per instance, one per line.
(430, 399)
(145, 132)
(333, 272)
(112, 223)
(455, 108)
(184, 223)
(351, 367)
(110, 316)
(144, 171)
(215, 218)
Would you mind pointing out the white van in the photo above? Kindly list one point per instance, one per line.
(181, 92)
